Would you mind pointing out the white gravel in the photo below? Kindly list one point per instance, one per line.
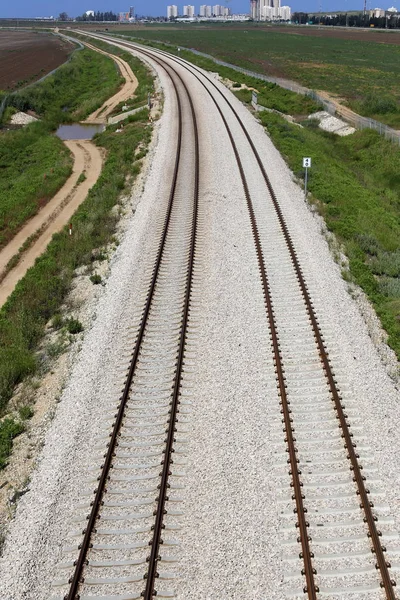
(235, 491)
(21, 118)
(332, 124)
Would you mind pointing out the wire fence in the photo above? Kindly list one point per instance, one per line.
(8, 100)
(357, 121)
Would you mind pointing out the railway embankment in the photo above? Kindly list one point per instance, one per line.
(38, 300)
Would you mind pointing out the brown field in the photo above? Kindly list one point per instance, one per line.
(27, 56)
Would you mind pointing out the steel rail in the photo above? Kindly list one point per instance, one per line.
(374, 534)
(311, 588)
(149, 591)
(366, 505)
(81, 562)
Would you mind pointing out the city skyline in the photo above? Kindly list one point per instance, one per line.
(158, 7)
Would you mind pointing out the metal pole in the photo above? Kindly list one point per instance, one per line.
(305, 184)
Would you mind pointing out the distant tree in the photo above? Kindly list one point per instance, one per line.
(63, 16)
(300, 17)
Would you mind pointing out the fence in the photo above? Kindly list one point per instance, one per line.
(357, 121)
(7, 100)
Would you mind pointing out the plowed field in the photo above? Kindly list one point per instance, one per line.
(28, 56)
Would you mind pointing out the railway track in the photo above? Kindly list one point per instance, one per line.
(330, 486)
(145, 448)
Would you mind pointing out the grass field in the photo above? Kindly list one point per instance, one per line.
(355, 181)
(366, 74)
(39, 295)
(34, 164)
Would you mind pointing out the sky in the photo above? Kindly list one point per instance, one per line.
(27, 8)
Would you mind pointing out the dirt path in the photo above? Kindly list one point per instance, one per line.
(52, 218)
(128, 89)
(343, 111)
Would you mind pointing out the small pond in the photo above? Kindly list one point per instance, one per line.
(78, 131)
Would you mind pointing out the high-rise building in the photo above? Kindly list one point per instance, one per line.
(172, 11)
(286, 13)
(131, 12)
(217, 10)
(208, 11)
(188, 11)
(269, 10)
(202, 11)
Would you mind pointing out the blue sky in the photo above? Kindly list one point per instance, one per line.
(27, 8)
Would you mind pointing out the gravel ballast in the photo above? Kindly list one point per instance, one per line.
(236, 489)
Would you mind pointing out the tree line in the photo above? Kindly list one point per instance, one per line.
(391, 21)
(99, 16)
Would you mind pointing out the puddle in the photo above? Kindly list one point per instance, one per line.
(78, 131)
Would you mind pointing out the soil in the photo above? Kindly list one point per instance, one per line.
(26, 56)
(88, 159)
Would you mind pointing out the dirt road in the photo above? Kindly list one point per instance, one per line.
(52, 218)
(127, 91)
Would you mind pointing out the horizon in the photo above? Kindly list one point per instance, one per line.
(158, 8)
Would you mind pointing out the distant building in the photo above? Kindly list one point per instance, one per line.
(188, 11)
(376, 13)
(172, 11)
(217, 10)
(269, 10)
(123, 17)
(131, 12)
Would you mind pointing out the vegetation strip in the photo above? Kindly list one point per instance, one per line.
(40, 294)
(364, 73)
(354, 184)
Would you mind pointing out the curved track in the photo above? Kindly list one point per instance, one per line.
(310, 398)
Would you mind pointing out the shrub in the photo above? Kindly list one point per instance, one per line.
(9, 429)
(95, 279)
(26, 412)
(74, 326)
(57, 321)
(375, 104)
(390, 287)
(386, 263)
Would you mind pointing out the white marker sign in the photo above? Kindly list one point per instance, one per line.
(306, 163)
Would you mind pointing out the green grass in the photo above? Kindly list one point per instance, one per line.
(38, 296)
(349, 68)
(269, 94)
(74, 91)
(145, 85)
(34, 163)
(33, 166)
(9, 429)
(355, 180)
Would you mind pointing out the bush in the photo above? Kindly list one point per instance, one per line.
(386, 263)
(95, 279)
(9, 429)
(74, 326)
(26, 412)
(390, 287)
(374, 104)
(57, 321)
